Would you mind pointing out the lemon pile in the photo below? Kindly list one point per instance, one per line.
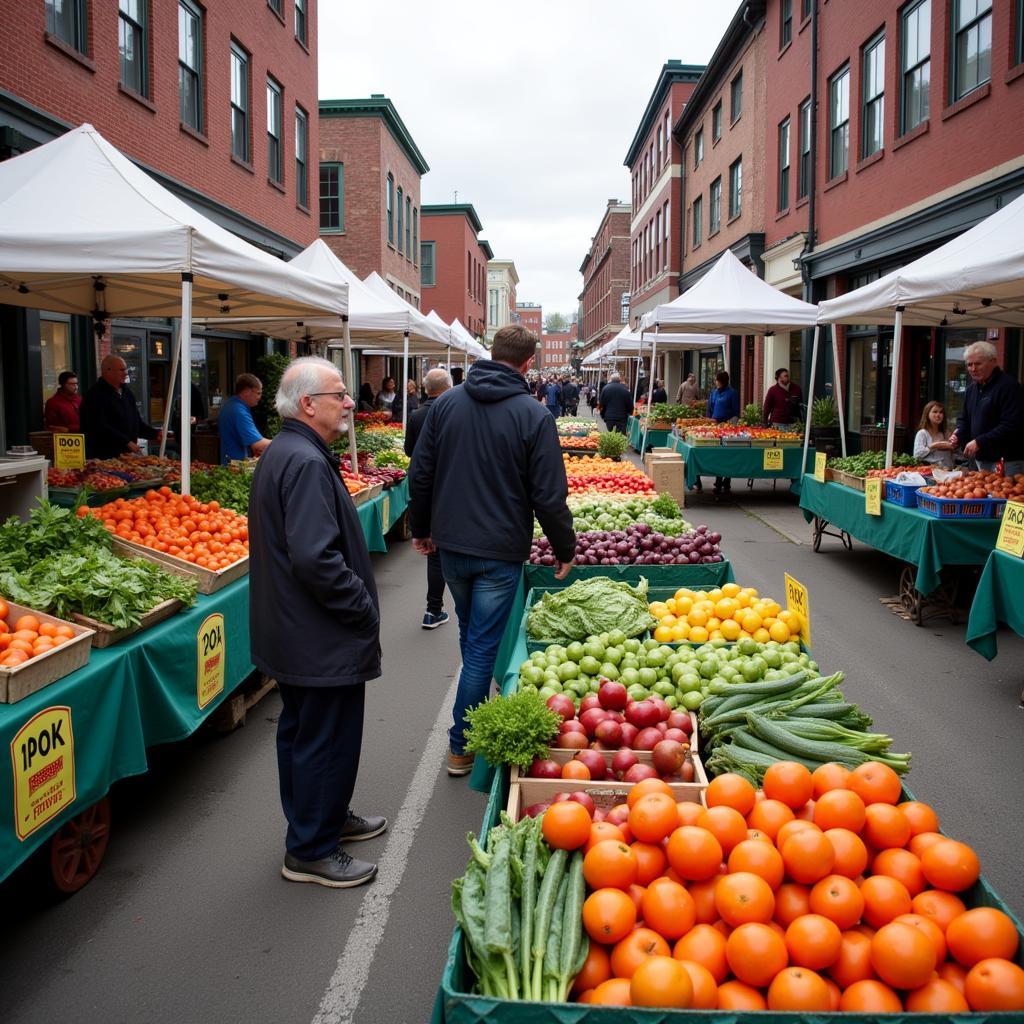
(729, 613)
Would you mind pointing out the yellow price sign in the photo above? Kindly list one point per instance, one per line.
(819, 466)
(210, 655)
(69, 451)
(1011, 530)
(385, 513)
(873, 496)
(799, 604)
(43, 762)
(772, 459)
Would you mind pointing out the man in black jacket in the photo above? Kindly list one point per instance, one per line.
(615, 404)
(486, 462)
(437, 382)
(990, 426)
(110, 418)
(314, 622)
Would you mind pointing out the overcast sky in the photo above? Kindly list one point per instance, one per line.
(529, 118)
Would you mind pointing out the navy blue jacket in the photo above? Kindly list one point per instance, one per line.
(723, 404)
(553, 395)
(110, 421)
(486, 461)
(314, 618)
(616, 402)
(993, 415)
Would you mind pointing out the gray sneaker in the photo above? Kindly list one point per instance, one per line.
(337, 870)
(357, 828)
(459, 764)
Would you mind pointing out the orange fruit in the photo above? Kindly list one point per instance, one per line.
(884, 899)
(940, 907)
(839, 899)
(839, 808)
(726, 824)
(611, 863)
(853, 963)
(705, 988)
(796, 825)
(566, 825)
(885, 826)
(650, 861)
(922, 840)
(730, 790)
(870, 996)
(734, 995)
(647, 786)
(756, 953)
(981, 934)
(851, 853)
(704, 945)
(798, 989)
(994, 984)
(608, 915)
(953, 973)
(613, 992)
(875, 783)
(574, 769)
(694, 853)
(791, 901)
(760, 858)
(26, 622)
(653, 817)
(808, 856)
(930, 928)
(596, 968)
(688, 812)
(661, 981)
(903, 956)
(813, 941)
(829, 776)
(768, 816)
(920, 815)
(950, 865)
(901, 865)
(936, 996)
(601, 830)
(636, 947)
(668, 908)
(743, 897)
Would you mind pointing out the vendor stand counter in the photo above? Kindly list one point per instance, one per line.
(999, 599)
(913, 536)
(379, 514)
(656, 438)
(157, 686)
(739, 462)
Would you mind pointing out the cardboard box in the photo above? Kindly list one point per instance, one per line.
(669, 475)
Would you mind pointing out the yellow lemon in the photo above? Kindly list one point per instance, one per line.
(669, 620)
(698, 634)
(716, 634)
(697, 617)
(762, 636)
(779, 631)
(730, 589)
(751, 592)
(768, 621)
(773, 608)
(743, 599)
(714, 595)
(713, 623)
(791, 619)
(680, 631)
(683, 592)
(750, 620)
(683, 605)
(726, 608)
(663, 634)
(657, 608)
(730, 629)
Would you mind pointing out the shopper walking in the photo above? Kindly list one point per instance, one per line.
(615, 404)
(659, 394)
(570, 397)
(688, 392)
(553, 397)
(486, 462)
(314, 624)
(437, 383)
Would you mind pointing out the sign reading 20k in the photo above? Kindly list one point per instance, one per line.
(43, 759)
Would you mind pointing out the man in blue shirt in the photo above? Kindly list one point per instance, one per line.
(239, 437)
(723, 406)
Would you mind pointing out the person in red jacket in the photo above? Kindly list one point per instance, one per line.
(60, 414)
(782, 401)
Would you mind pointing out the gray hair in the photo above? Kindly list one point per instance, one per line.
(985, 349)
(303, 377)
(614, 376)
(437, 381)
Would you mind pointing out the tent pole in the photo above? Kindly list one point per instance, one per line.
(349, 378)
(405, 379)
(894, 380)
(810, 399)
(176, 355)
(185, 440)
(837, 390)
(650, 389)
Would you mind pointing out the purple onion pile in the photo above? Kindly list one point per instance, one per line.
(638, 544)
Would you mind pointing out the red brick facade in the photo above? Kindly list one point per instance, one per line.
(556, 348)
(531, 315)
(606, 277)
(459, 288)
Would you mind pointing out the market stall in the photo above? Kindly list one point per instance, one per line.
(637, 427)
(999, 600)
(741, 462)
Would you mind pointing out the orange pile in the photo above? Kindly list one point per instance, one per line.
(27, 637)
(820, 893)
(199, 532)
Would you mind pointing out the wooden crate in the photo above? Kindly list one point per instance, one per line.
(22, 680)
(104, 635)
(210, 581)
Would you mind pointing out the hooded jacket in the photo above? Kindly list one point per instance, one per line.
(486, 461)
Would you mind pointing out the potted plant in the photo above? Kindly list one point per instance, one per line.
(824, 423)
(751, 415)
(611, 445)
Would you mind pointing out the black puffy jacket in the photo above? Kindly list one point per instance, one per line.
(486, 461)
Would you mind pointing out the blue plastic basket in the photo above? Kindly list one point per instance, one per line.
(902, 494)
(960, 508)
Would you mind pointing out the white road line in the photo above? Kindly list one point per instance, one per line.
(341, 999)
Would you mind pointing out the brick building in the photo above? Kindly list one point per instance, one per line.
(453, 265)
(502, 279)
(556, 348)
(655, 170)
(531, 315)
(721, 134)
(605, 297)
(218, 103)
(908, 134)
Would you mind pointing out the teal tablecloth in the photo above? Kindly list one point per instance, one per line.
(999, 599)
(905, 533)
(132, 695)
(635, 433)
(381, 513)
(739, 462)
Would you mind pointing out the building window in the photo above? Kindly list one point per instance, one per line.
(1018, 34)
(803, 182)
(492, 307)
(275, 151)
(915, 64)
(301, 157)
(736, 98)
(873, 114)
(736, 188)
(277, 6)
(416, 240)
(427, 269)
(390, 199)
(300, 21)
(657, 240)
(408, 228)
(661, 148)
(698, 148)
(972, 45)
(786, 28)
(668, 141)
(399, 204)
(806, 6)
(664, 247)
(332, 197)
(715, 217)
(190, 63)
(239, 103)
(784, 165)
(716, 122)
(838, 122)
(131, 41)
(698, 220)
(65, 19)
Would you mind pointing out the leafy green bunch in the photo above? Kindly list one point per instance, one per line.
(225, 484)
(511, 730)
(611, 444)
(50, 528)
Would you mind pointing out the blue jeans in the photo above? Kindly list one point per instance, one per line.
(483, 590)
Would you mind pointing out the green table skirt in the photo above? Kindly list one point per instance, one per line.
(655, 438)
(999, 599)
(905, 533)
(130, 696)
(381, 513)
(739, 462)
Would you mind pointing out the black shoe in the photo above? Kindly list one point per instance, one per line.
(337, 870)
(357, 828)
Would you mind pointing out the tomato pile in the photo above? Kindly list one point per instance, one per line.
(27, 637)
(595, 475)
(205, 534)
(979, 485)
(719, 431)
(575, 443)
(820, 893)
(894, 471)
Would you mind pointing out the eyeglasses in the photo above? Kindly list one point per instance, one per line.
(340, 395)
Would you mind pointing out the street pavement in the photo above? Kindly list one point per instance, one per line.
(189, 920)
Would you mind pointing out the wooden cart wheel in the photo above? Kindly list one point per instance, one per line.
(78, 848)
(400, 529)
(817, 527)
(909, 595)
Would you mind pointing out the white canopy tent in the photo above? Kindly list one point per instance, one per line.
(475, 349)
(730, 299)
(974, 280)
(83, 230)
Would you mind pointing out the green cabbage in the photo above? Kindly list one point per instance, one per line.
(588, 607)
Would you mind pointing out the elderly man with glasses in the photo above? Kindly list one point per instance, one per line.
(110, 415)
(990, 426)
(314, 623)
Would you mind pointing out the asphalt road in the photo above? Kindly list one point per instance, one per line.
(189, 920)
